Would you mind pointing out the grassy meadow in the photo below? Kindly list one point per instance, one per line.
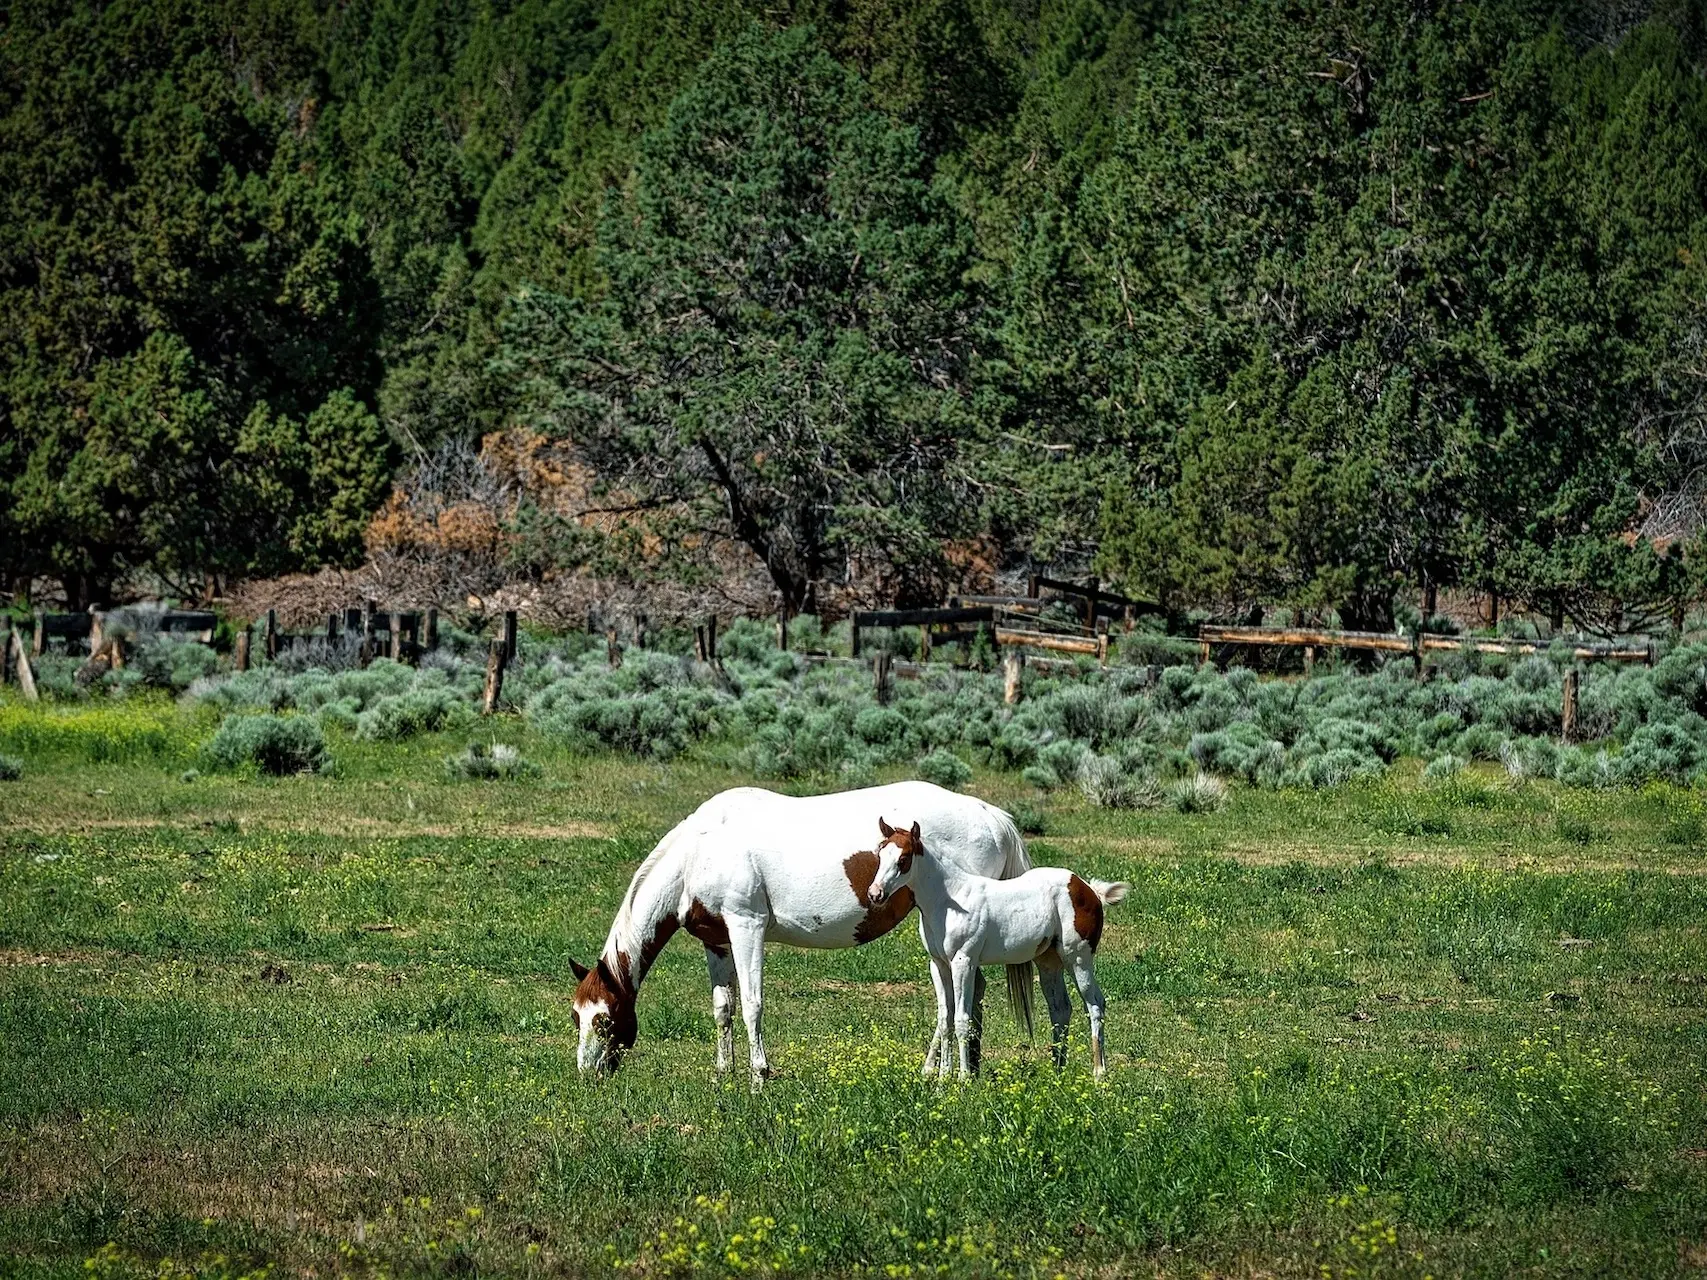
(319, 1024)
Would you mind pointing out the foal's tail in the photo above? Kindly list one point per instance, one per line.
(1110, 893)
(1015, 862)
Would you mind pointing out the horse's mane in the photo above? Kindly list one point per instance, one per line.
(623, 935)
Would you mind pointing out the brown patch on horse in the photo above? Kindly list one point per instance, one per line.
(708, 927)
(861, 870)
(665, 930)
(1087, 911)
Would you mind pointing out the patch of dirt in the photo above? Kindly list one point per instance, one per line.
(886, 990)
(340, 826)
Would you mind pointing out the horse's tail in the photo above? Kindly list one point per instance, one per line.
(1110, 893)
(1015, 862)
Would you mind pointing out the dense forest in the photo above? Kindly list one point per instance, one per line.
(1287, 304)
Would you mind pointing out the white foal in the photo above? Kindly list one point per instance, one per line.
(750, 866)
(1048, 915)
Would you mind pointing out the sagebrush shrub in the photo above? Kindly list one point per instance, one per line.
(272, 744)
(944, 768)
(1200, 793)
(480, 762)
(11, 768)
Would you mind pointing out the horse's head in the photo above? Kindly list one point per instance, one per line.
(895, 854)
(604, 1018)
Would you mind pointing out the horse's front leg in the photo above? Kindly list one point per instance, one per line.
(747, 946)
(965, 990)
(720, 965)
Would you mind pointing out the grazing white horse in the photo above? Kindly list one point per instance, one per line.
(750, 866)
(1048, 916)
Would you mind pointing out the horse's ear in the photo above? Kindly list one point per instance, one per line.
(885, 828)
(918, 840)
(580, 970)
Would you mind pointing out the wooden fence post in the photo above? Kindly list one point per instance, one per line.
(854, 624)
(367, 632)
(241, 661)
(272, 634)
(509, 635)
(1417, 654)
(711, 639)
(1013, 667)
(1202, 652)
(1102, 641)
(699, 642)
(39, 645)
(1127, 620)
(26, 677)
(1568, 708)
(494, 676)
(782, 626)
(396, 622)
(1031, 586)
(880, 676)
(431, 639)
(640, 631)
(1091, 604)
(1309, 659)
(613, 654)
(925, 643)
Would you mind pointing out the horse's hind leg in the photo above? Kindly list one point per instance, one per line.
(1085, 978)
(1050, 976)
(976, 1051)
(720, 965)
(747, 944)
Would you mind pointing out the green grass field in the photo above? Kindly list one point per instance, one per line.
(321, 1024)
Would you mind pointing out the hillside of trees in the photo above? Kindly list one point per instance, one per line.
(1267, 304)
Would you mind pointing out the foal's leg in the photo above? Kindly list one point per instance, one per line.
(1050, 977)
(964, 987)
(720, 965)
(747, 945)
(1085, 978)
(942, 983)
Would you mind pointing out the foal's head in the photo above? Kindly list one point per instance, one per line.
(895, 854)
(604, 1017)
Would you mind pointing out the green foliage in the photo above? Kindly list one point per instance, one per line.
(11, 768)
(1172, 287)
(777, 270)
(944, 768)
(97, 734)
(270, 744)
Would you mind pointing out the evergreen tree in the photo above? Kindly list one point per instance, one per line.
(787, 335)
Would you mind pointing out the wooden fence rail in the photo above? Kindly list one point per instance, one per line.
(1415, 645)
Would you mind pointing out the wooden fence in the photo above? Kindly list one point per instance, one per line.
(1415, 645)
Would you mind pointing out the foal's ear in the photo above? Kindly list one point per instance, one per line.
(918, 840)
(885, 828)
(580, 970)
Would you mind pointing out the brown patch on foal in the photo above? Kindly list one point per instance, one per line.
(861, 870)
(708, 927)
(1087, 911)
